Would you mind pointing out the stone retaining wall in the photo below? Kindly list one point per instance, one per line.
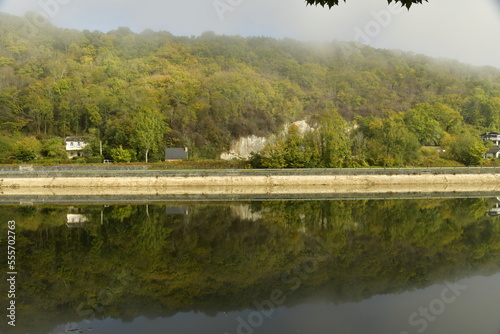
(240, 184)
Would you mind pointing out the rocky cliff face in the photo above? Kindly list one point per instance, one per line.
(243, 147)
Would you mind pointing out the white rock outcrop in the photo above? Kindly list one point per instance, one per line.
(243, 147)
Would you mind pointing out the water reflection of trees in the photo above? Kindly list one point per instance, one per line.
(142, 261)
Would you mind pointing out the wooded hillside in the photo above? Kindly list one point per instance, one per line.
(150, 90)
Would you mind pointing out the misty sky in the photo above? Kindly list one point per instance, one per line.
(467, 30)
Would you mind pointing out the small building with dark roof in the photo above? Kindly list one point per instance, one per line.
(176, 153)
(177, 210)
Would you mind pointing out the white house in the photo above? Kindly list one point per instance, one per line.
(76, 217)
(76, 220)
(495, 210)
(493, 152)
(492, 136)
(75, 146)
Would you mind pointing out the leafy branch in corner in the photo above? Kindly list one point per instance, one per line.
(331, 3)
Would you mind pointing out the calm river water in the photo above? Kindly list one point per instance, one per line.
(398, 266)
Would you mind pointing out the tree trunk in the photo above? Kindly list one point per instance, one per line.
(147, 150)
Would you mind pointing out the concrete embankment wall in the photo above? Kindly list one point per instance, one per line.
(248, 181)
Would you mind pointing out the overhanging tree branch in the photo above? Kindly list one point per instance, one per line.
(331, 3)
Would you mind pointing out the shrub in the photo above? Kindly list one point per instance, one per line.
(94, 159)
(119, 154)
(467, 149)
(27, 149)
(53, 148)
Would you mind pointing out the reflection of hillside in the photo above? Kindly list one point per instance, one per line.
(142, 261)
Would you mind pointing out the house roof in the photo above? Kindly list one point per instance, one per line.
(74, 138)
(176, 153)
(494, 150)
(177, 210)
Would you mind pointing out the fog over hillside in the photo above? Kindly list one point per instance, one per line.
(468, 31)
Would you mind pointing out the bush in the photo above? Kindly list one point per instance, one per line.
(47, 162)
(491, 163)
(203, 164)
(436, 161)
(467, 149)
(94, 159)
(54, 148)
(79, 160)
(6, 161)
(27, 149)
(119, 154)
(6, 144)
(357, 162)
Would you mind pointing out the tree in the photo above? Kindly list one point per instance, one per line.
(467, 149)
(335, 147)
(149, 130)
(331, 3)
(53, 148)
(39, 109)
(294, 154)
(6, 144)
(391, 143)
(424, 126)
(119, 154)
(11, 116)
(27, 149)
(272, 156)
(449, 119)
(481, 109)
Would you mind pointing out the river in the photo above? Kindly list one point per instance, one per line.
(402, 266)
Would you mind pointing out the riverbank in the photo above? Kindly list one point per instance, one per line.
(103, 182)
